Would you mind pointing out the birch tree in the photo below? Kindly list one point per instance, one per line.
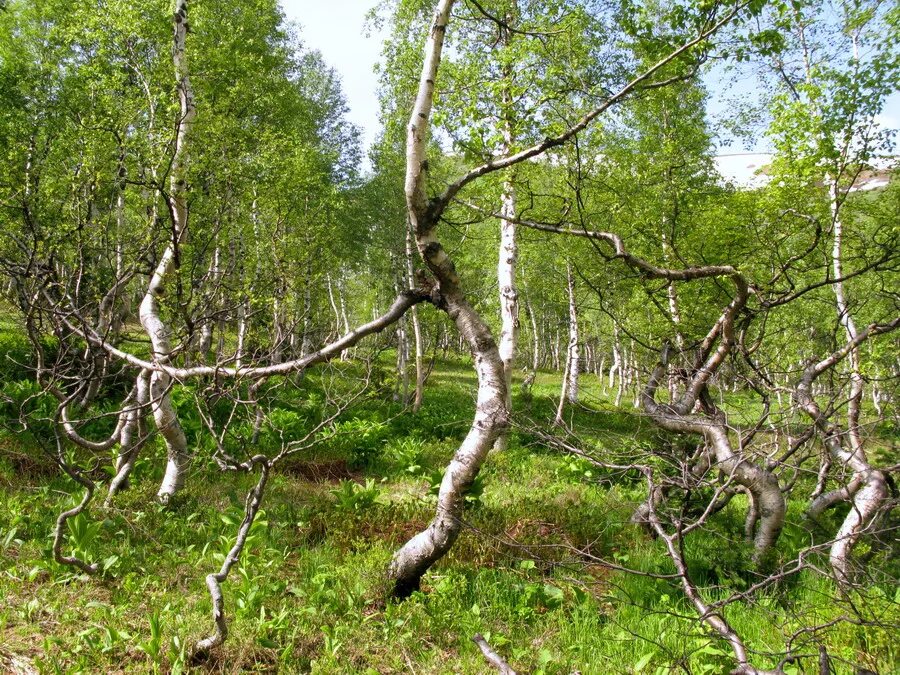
(492, 413)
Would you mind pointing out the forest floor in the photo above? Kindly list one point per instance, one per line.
(309, 593)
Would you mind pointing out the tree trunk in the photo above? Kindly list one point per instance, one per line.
(149, 312)
(762, 484)
(337, 314)
(509, 249)
(509, 297)
(204, 346)
(305, 345)
(133, 438)
(491, 415)
(535, 337)
(401, 392)
(867, 489)
(846, 319)
(574, 367)
(417, 327)
(569, 390)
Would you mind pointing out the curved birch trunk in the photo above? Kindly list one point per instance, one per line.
(765, 491)
(215, 580)
(867, 489)
(149, 312)
(491, 414)
(133, 437)
(762, 485)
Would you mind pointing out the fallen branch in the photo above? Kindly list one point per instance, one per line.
(213, 581)
(492, 657)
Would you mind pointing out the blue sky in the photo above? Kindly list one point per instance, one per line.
(335, 28)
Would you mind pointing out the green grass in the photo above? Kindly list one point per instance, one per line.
(309, 593)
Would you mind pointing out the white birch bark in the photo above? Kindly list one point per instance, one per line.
(867, 489)
(509, 296)
(846, 318)
(206, 330)
(401, 392)
(417, 327)
(334, 307)
(564, 387)
(535, 337)
(491, 414)
(307, 310)
(766, 492)
(241, 333)
(149, 312)
(509, 249)
(569, 391)
(133, 437)
(574, 350)
(616, 357)
(675, 315)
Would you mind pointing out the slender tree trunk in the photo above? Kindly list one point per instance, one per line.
(766, 492)
(305, 346)
(620, 367)
(334, 307)
(574, 350)
(417, 327)
(160, 383)
(557, 359)
(121, 308)
(535, 337)
(509, 297)
(509, 249)
(134, 436)
(615, 365)
(675, 315)
(564, 388)
(401, 392)
(206, 329)
(242, 327)
(569, 390)
(846, 319)
(491, 414)
(867, 489)
(346, 355)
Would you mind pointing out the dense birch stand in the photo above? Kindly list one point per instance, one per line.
(690, 409)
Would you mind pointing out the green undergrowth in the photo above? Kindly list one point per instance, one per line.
(310, 593)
